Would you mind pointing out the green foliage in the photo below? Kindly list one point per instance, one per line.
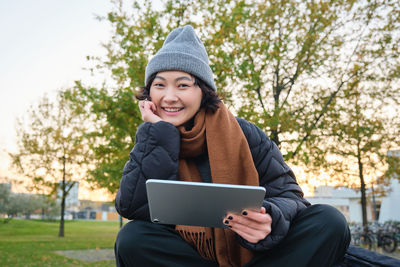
(114, 119)
(27, 204)
(284, 65)
(4, 197)
(32, 243)
(393, 162)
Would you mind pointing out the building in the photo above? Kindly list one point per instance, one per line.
(348, 201)
(389, 210)
(344, 199)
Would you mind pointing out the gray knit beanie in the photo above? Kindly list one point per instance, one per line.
(183, 51)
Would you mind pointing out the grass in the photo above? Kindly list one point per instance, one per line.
(33, 242)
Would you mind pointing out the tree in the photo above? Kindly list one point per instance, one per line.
(26, 204)
(4, 197)
(114, 118)
(281, 64)
(364, 120)
(51, 148)
(16, 205)
(361, 138)
(290, 61)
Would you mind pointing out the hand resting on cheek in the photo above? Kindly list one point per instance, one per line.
(148, 110)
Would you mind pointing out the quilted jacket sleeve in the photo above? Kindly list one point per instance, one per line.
(284, 197)
(154, 156)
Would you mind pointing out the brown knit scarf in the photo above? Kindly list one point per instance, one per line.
(231, 163)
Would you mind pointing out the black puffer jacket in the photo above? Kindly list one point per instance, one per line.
(155, 156)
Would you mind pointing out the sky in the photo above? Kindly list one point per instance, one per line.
(43, 48)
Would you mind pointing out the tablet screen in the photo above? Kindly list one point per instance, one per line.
(199, 204)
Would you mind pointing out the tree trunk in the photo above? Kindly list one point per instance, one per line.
(274, 126)
(363, 194)
(275, 137)
(61, 231)
(277, 89)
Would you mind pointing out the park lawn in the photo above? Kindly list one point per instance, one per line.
(33, 242)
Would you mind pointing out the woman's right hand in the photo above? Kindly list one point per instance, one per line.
(148, 110)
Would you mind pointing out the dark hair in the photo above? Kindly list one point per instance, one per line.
(209, 101)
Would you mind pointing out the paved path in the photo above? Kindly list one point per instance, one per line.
(89, 255)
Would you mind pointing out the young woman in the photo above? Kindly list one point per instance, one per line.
(189, 134)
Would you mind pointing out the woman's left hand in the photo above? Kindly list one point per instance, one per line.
(148, 110)
(251, 225)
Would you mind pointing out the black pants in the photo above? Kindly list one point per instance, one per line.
(318, 236)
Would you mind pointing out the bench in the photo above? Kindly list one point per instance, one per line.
(356, 256)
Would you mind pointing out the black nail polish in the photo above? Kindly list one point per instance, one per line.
(244, 213)
(226, 222)
(230, 218)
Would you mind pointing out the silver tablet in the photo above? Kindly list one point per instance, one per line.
(199, 204)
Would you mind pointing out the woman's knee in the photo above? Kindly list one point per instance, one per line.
(131, 239)
(331, 220)
(127, 237)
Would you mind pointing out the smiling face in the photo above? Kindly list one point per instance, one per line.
(176, 96)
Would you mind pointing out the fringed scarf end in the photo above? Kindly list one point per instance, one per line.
(198, 240)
